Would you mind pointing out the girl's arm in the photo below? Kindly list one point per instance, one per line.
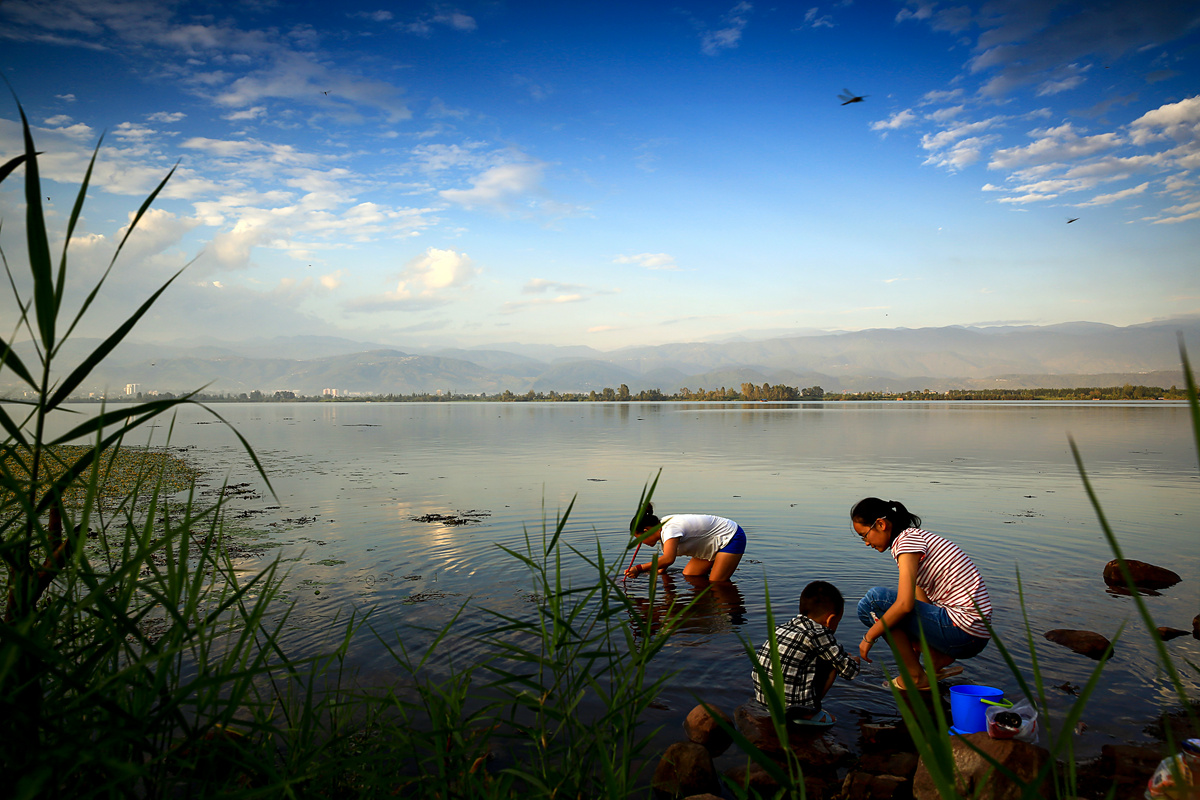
(906, 601)
(667, 558)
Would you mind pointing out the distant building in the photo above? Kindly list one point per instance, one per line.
(131, 389)
(333, 393)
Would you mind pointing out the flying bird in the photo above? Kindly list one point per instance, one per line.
(1072, 220)
(850, 97)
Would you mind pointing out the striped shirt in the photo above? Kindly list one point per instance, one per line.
(948, 578)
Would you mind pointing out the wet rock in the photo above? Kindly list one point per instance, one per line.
(686, 768)
(1167, 634)
(1129, 763)
(902, 763)
(1145, 576)
(1087, 643)
(885, 735)
(701, 727)
(759, 783)
(1196, 627)
(865, 786)
(811, 747)
(975, 775)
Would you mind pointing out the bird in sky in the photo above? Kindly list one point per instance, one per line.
(1072, 220)
(850, 97)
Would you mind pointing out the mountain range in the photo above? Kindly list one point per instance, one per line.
(1054, 356)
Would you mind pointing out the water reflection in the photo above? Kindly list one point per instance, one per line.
(698, 607)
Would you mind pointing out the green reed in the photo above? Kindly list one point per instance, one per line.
(154, 670)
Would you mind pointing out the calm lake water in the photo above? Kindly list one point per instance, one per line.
(996, 478)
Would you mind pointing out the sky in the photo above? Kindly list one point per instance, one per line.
(610, 173)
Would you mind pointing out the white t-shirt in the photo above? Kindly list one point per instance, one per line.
(699, 535)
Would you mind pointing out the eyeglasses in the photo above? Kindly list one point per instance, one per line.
(870, 528)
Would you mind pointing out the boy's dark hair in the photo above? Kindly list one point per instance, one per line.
(820, 599)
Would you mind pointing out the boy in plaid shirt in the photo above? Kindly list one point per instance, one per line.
(809, 655)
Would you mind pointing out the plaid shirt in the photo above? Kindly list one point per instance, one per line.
(803, 645)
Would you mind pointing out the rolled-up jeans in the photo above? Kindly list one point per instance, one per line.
(940, 632)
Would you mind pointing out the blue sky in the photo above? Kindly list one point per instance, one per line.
(613, 174)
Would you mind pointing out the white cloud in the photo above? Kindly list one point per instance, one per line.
(166, 116)
(1027, 198)
(649, 260)
(296, 77)
(712, 42)
(503, 189)
(961, 154)
(254, 112)
(426, 281)
(543, 286)
(898, 119)
(1053, 145)
(1055, 87)
(1179, 121)
(813, 18)
(434, 271)
(1105, 199)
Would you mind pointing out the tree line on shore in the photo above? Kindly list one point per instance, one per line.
(748, 392)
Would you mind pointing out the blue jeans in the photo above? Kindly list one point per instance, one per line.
(941, 634)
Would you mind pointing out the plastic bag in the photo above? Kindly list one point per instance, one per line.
(1018, 722)
(1175, 778)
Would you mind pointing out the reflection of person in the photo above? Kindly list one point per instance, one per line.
(809, 655)
(715, 544)
(939, 592)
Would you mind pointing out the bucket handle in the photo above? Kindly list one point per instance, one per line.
(1001, 703)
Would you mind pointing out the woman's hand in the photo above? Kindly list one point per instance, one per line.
(864, 647)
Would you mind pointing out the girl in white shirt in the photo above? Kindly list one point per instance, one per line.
(715, 544)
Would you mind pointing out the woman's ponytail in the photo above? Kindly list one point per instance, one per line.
(869, 509)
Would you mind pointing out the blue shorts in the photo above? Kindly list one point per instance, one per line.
(737, 545)
(942, 634)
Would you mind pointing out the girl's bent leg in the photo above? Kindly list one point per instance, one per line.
(876, 601)
(723, 566)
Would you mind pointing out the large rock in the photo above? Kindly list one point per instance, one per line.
(976, 777)
(1086, 643)
(1167, 634)
(686, 768)
(1145, 576)
(885, 735)
(701, 727)
(867, 786)
(759, 783)
(811, 746)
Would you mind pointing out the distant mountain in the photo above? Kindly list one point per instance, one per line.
(1068, 355)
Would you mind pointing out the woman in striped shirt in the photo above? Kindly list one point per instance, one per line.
(939, 592)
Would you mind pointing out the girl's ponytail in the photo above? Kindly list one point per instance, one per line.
(869, 509)
(643, 520)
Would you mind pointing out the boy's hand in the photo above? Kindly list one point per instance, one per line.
(633, 571)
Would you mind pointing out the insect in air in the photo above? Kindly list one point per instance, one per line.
(850, 97)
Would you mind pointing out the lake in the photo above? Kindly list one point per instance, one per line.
(352, 479)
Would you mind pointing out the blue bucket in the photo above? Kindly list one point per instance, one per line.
(967, 707)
